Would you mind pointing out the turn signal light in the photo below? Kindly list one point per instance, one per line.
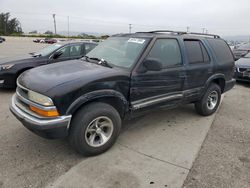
(50, 113)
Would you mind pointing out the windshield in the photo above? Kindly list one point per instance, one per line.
(119, 51)
(49, 49)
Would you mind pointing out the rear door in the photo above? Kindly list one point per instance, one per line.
(159, 88)
(199, 67)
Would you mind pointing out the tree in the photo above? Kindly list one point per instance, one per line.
(33, 32)
(48, 33)
(9, 26)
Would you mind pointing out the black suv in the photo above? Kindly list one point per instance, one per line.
(124, 76)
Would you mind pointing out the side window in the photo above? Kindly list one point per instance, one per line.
(167, 51)
(89, 47)
(221, 50)
(65, 52)
(196, 52)
(75, 50)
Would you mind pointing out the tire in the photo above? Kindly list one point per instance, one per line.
(87, 138)
(210, 101)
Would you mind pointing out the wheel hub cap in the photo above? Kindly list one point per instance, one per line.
(99, 131)
(212, 100)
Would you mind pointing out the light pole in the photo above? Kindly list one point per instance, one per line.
(54, 17)
(130, 28)
(68, 27)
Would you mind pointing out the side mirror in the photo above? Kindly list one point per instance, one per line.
(152, 64)
(57, 55)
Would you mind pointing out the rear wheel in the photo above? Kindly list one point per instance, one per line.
(95, 128)
(210, 101)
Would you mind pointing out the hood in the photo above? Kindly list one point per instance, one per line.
(74, 72)
(17, 59)
(243, 63)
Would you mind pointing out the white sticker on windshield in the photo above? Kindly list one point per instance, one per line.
(136, 40)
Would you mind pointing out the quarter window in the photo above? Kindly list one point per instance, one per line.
(221, 50)
(167, 51)
(196, 52)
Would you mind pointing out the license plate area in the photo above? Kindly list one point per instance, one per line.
(246, 74)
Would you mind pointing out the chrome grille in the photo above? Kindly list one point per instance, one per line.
(242, 69)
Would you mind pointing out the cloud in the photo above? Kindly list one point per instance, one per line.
(224, 17)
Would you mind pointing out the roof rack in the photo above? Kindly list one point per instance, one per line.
(181, 33)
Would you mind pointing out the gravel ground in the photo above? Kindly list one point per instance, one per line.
(224, 160)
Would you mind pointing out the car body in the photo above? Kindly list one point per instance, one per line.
(37, 40)
(125, 76)
(2, 39)
(11, 68)
(242, 69)
(50, 41)
(241, 51)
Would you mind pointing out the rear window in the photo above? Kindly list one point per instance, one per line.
(221, 50)
(196, 52)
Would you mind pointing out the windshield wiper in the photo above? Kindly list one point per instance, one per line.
(100, 61)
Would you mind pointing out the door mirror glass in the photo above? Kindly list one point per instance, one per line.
(152, 64)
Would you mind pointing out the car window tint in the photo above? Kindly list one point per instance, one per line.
(167, 51)
(89, 47)
(205, 54)
(75, 50)
(222, 51)
(65, 52)
(196, 52)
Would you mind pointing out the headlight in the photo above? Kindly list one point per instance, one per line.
(5, 67)
(40, 99)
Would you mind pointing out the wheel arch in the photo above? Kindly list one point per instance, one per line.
(112, 97)
(219, 79)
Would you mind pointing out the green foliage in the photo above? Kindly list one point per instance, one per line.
(9, 26)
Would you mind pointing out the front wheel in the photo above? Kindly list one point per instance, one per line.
(94, 128)
(210, 101)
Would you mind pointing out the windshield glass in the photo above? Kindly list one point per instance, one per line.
(119, 51)
(49, 49)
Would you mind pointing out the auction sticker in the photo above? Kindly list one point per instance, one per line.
(136, 40)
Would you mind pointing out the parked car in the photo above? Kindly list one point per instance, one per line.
(50, 41)
(11, 68)
(241, 51)
(37, 40)
(2, 39)
(123, 77)
(242, 68)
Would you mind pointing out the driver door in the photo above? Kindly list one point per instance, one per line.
(159, 88)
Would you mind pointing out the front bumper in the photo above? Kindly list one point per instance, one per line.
(240, 77)
(47, 128)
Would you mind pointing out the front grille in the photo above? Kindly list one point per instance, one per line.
(242, 69)
(23, 92)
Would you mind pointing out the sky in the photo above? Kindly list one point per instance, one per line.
(223, 17)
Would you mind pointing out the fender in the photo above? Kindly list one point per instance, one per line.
(97, 95)
(211, 78)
